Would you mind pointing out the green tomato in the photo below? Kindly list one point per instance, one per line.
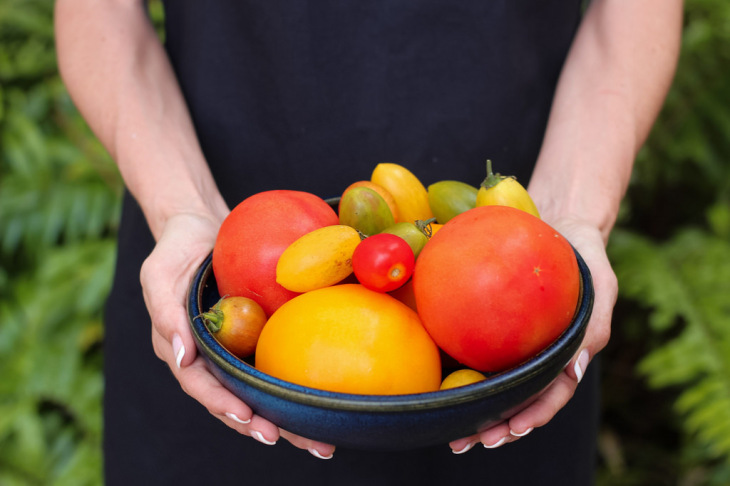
(414, 236)
(365, 210)
(450, 198)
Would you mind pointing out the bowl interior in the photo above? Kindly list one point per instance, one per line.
(204, 294)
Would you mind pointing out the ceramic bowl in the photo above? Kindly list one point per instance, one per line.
(375, 422)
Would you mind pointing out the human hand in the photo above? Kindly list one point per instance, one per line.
(587, 239)
(166, 274)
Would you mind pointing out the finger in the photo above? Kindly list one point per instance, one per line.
(317, 449)
(496, 436)
(167, 313)
(598, 331)
(460, 446)
(542, 410)
(491, 438)
(200, 384)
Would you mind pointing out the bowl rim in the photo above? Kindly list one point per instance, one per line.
(494, 384)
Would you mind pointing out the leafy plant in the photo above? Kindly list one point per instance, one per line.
(671, 254)
(685, 283)
(59, 206)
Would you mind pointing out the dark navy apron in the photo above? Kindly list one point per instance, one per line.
(310, 95)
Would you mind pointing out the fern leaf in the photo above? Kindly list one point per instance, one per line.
(685, 283)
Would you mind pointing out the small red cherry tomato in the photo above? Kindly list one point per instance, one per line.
(383, 262)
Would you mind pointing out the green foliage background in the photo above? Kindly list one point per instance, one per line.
(666, 371)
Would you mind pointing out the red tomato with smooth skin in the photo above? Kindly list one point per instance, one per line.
(495, 286)
(383, 262)
(255, 234)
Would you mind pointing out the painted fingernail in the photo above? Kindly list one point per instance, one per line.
(235, 418)
(464, 449)
(178, 349)
(581, 364)
(317, 454)
(260, 437)
(496, 444)
(523, 433)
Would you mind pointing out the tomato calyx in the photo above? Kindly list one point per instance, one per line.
(425, 226)
(214, 318)
(493, 179)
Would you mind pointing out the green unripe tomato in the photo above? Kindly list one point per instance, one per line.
(450, 198)
(414, 236)
(365, 210)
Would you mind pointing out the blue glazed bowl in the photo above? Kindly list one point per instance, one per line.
(392, 422)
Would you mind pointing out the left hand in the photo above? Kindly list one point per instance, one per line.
(587, 239)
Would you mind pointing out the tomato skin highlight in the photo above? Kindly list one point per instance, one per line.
(495, 286)
(383, 262)
(255, 234)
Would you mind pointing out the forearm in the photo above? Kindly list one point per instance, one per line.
(610, 91)
(121, 80)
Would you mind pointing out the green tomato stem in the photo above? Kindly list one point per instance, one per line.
(425, 226)
(492, 179)
(214, 317)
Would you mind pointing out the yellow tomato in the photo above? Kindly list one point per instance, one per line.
(499, 190)
(318, 259)
(409, 193)
(462, 377)
(349, 339)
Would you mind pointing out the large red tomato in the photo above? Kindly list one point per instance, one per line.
(255, 234)
(495, 286)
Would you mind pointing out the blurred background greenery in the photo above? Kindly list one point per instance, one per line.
(666, 416)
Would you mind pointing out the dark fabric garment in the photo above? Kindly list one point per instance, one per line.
(310, 96)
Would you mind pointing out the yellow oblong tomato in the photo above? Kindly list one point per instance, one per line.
(499, 190)
(318, 259)
(409, 193)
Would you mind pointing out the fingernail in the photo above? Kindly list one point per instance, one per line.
(317, 454)
(581, 364)
(178, 349)
(235, 418)
(260, 437)
(464, 449)
(496, 444)
(523, 433)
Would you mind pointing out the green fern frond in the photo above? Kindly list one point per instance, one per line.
(685, 283)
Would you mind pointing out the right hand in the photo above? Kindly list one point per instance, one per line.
(183, 244)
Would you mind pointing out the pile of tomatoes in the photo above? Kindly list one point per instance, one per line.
(488, 280)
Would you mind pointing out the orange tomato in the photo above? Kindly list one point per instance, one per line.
(435, 227)
(349, 339)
